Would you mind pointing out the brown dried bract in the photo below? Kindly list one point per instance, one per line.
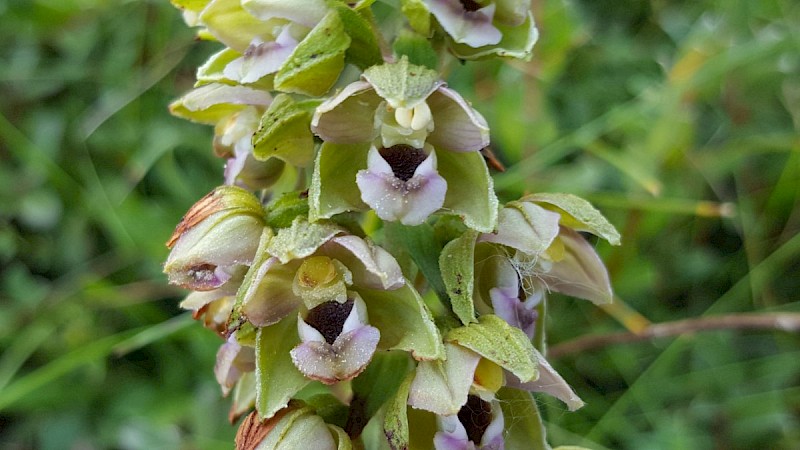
(253, 430)
(197, 213)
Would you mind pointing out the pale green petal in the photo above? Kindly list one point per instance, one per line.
(470, 189)
(284, 133)
(333, 186)
(526, 227)
(404, 321)
(442, 386)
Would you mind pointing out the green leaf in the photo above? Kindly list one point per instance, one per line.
(282, 211)
(316, 63)
(402, 84)
(470, 190)
(381, 379)
(499, 342)
(364, 50)
(333, 187)
(301, 239)
(404, 321)
(277, 378)
(524, 428)
(418, 16)
(395, 423)
(577, 213)
(417, 48)
(456, 263)
(421, 245)
(285, 132)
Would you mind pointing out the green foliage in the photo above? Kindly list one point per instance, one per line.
(678, 120)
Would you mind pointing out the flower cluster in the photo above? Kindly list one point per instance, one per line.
(388, 293)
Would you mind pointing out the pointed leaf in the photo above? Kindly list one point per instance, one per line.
(395, 423)
(577, 213)
(457, 264)
(317, 61)
(499, 342)
(363, 51)
(285, 133)
(526, 430)
(418, 16)
(277, 379)
(417, 48)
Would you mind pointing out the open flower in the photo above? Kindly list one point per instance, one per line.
(336, 341)
(478, 28)
(478, 425)
(403, 144)
(218, 236)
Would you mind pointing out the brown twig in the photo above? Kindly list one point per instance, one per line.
(753, 321)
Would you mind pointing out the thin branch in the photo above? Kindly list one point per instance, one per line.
(755, 321)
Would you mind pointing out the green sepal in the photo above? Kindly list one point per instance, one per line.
(285, 132)
(418, 16)
(526, 430)
(277, 378)
(316, 62)
(378, 383)
(343, 441)
(402, 84)
(499, 342)
(457, 264)
(470, 189)
(404, 321)
(395, 422)
(417, 48)
(364, 50)
(282, 211)
(333, 187)
(576, 213)
(301, 239)
(237, 318)
(211, 70)
(213, 102)
(327, 406)
(517, 42)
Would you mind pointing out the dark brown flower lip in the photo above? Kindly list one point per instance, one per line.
(403, 159)
(470, 5)
(329, 317)
(475, 415)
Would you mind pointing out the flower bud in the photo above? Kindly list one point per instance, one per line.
(218, 234)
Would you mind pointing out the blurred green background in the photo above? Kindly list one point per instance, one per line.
(678, 119)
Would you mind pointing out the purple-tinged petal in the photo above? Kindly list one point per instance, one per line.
(344, 360)
(305, 12)
(232, 361)
(452, 436)
(348, 117)
(507, 305)
(526, 227)
(269, 298)
(371, 265)
(213, 102)
(411, 201)
(549, 382)
(473, 28)
(580, 273)
(457, 126)
(261, 58)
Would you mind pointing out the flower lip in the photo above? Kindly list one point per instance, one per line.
(470, 5)
(403, 159)
(329, 318)
(475, 415)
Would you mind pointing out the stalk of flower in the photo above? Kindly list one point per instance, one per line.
(407, 147)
